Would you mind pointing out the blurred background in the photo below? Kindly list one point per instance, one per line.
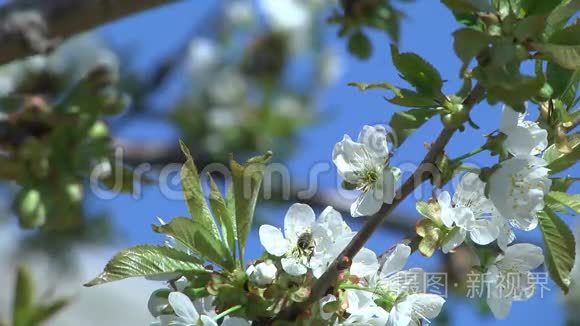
(229, 76)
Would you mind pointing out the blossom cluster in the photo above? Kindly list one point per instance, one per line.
(372, 290)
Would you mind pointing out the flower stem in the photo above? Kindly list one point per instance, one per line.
(228, 311)
(469, 154)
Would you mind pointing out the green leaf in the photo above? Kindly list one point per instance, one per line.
(559, 78)
(247, 180)
(413, 99)
(44, 312)
(360, 45)
(468, 43)
(562, 184)
(429, 210)
(560, 247)
(403, 97)
(563, 47)
(568, 56)
(466, 6)
(367, 86)
(404, 123)
(197, 238)
(530, 28)
(561, 14)
(225, 216)
(147, 260)
(539, 7)
(418, 72)
(558, 161)
(572, 201)
(23, 297)
(194, 195)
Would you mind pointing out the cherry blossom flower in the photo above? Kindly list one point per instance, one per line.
(263, 273)
(523, 137)
(470, 212)
(296, 244)
(517, 190)
(363, 164)
(508, 277)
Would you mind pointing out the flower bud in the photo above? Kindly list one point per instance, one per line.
(263, 273)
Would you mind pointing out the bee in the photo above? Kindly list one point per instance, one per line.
(305, 245)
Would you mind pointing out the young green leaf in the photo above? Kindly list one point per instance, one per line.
(468, 43)
(558, 161)
(560, 79)
(572, 201)
(360, 45)
(148, 260)
(199, 239)
(23, 297)
(429, 210)
(247, 180)
(193, 194)
(418, 72)
(560, 247)
(560, 15)
(404, 123)
(226, 217)
(44, 312)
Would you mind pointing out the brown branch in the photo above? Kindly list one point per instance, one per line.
(325, 282)
(46, 22)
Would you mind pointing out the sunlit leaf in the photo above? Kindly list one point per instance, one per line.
(225, 216)
(147, 260)
(404, 123)
(247, 180)
(418, 72)
(560, 247)
(197, 238)
(193, 193)
(570, 200)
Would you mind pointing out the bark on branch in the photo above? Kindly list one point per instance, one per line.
(29, 27)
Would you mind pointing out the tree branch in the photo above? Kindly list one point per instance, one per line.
(325, 282)
(29, 27)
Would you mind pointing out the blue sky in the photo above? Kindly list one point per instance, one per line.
(426, 31)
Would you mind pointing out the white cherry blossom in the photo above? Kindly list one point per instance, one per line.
(298, 224)
(523, 137)
(517, 190)
(470, 212)
(363, 164)
(186, 313)
(401, 289)
(263, 273)
(508, 277)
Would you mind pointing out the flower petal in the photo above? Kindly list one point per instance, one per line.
(366, 204)
(375, 140)
(298, 220)
(396, 260)
(453, 240)
(483, 232)
(365, 263)
(273, 240)
(444, 200)
(293, 266)
(349, 156)
(183, 307)
(427, 305)
(521, 257)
